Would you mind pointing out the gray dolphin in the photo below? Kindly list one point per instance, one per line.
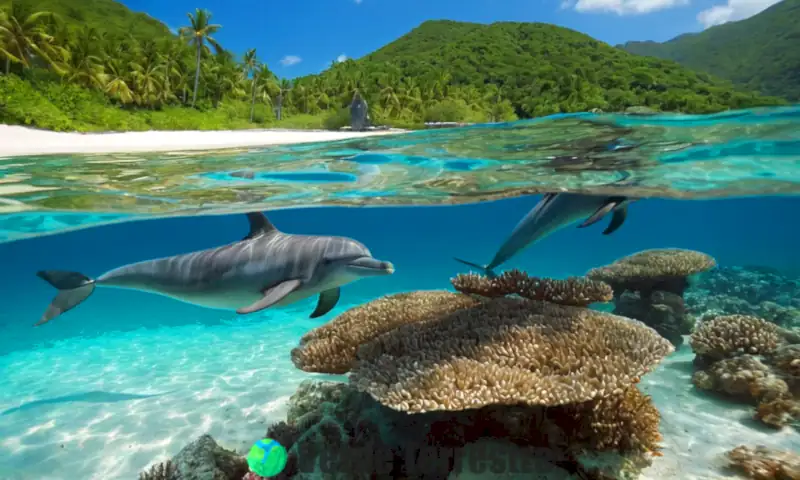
(265, 268)
(554, 212)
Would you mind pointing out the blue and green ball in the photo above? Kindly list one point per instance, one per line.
(267, 458)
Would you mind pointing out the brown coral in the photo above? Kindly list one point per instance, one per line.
(779, 412)
(730, 335)
(507, 351)
(161, 471)
(659, 269)
(331, 348)
(571, 291)
(787, 360)
(761, 463)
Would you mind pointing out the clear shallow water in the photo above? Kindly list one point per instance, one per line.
(127, 378)
(738, 153)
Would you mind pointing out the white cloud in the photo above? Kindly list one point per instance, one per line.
(623, 7)
(341, 58)
(290, 60)
(733, 10)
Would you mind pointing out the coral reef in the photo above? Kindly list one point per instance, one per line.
(160, 471)
(434, 375)
(507, 351)
(202, 459)
(761, 463)
(664, 311)
(755, 291)
(649, 287)
(743, 357)
(667, 270)
(571, 291)
(331, 348)
(360, 438)
(730, 335)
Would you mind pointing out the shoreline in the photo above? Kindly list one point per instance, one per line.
(18, 141)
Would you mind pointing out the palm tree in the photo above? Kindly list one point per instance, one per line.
(284, 86)
(251, 66)
(198, 34)
(23, 34)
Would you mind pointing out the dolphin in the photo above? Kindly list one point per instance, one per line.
(266, 268)
(554, 212)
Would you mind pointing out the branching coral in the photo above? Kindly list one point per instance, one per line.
(161, 471)
(331, 348)
(507, 351)
(571, 291)
(660, 269)
(761, 463)
(730, 335)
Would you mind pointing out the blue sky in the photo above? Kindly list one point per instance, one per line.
(297, 37)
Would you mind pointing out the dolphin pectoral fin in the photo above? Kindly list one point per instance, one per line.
(598, 214)
(259, 225)
(327, 300)
(617, 220)
(272, 296)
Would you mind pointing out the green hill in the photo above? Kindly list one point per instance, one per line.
(105, 16)
(543, 69)
(760, 53)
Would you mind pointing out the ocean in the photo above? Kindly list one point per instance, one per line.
(128, 379)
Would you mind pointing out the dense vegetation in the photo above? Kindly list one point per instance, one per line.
(95, 65)
(760, 53)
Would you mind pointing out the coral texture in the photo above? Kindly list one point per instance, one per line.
(360, 438)
(757, 291)
(161, 471)
(572, 291)
(761, 463)
(731, 335)
(201, 459)
(331, 348)
(507, 351)
(787, 359)
(663, 311)
(649, 270)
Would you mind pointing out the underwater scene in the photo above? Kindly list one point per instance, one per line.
(583, 296)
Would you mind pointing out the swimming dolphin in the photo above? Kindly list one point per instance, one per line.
(553, 212)
(265, 268)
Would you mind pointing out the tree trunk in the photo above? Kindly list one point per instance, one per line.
(280, 105)
(166, 80)
(197, 73)
(253, 102)
(184, 94)
(8, 65)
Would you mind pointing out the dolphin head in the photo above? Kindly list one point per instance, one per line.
(347, 260)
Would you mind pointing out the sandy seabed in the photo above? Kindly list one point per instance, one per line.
(23, 141)
(107, 407)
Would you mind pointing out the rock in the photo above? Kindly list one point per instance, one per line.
(310, 396)
(203, 459)
(359, 113)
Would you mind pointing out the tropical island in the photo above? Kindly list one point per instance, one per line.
(97, 66)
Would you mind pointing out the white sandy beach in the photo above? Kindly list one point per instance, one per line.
(22, 141)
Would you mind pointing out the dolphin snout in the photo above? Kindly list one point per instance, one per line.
(371, 266)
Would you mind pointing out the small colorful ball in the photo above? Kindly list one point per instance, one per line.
(267, 458)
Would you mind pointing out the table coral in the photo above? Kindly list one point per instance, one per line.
(507, 351)
(571, 291)
(659, 269)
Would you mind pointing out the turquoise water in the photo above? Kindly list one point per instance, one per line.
(128, 378)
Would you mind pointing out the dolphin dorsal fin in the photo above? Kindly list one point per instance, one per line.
(259, 225)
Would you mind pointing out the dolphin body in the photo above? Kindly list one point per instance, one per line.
(265, 268)
(554, 212)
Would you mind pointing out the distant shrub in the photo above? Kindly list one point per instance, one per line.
(337, 119)
(448, 110)
(22, 104)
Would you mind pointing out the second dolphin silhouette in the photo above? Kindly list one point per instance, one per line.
(554, 212)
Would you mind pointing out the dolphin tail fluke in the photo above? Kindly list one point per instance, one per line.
(483, 269)
(73, 288)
